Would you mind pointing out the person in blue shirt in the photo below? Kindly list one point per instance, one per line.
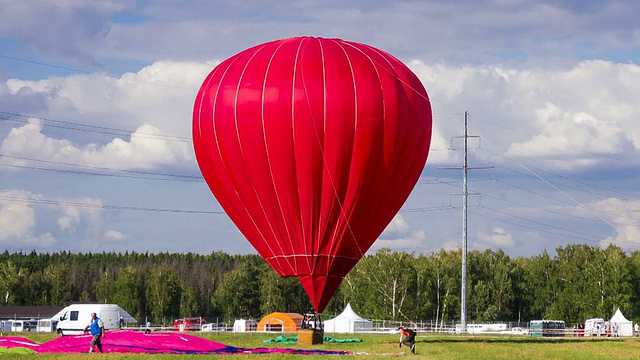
(97, 332)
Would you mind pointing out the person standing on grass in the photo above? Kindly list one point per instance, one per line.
(409, 337)
(97, 332)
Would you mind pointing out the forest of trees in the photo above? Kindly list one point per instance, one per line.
(579, 282)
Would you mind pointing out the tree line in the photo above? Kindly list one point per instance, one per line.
(577, 283)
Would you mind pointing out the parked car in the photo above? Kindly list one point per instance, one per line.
(188, 324)
(519, 331)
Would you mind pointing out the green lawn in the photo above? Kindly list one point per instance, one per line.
(377, 346)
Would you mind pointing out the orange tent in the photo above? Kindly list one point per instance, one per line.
(277, 321)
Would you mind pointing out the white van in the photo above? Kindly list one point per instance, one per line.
(76, 317)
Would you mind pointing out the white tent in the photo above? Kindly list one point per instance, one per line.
(126, 317)
(625, 326)
(242, 325)
(348, 322)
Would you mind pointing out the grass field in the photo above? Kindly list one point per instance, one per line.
(380, 346)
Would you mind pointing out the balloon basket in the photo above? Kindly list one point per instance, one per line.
(310, 337)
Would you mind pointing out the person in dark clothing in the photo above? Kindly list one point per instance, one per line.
(408, 338)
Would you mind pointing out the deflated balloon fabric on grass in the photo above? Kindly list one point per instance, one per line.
(294, 339)
(127, 341)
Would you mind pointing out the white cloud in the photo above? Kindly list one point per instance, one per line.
(70, 217)
(17, 218)
(398, 225)
(29, 220)
(623, 216)
(155, 105)
(18, 221)
(413, 241)
(400, 236)
(499, 237)
(82, 212)
(113, 235)
(570, 116)
(146, 149)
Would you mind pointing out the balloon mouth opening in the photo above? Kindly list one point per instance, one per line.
(320, 288)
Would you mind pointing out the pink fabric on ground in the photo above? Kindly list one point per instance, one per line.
(126, 341)
(14, 341)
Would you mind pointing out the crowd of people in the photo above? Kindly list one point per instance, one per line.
(602, 329)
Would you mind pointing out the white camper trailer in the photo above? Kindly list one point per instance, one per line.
(47, 325)
(23, 325)
(76, 317)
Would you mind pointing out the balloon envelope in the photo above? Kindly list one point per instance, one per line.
(311, 146)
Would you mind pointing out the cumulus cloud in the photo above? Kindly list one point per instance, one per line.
(114, 235)
(400, 236)
(18, 221)
(412, 241)
(17, 218)
(573, 135)
(141, 120)
(398, 225)
(70, 217)
(622, 216)
(85, 211)
(572, 117)
(24, 218)
(499, 237)
(147, 148)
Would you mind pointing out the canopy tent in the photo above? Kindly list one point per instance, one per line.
(625, 326)
(277, 321)
(348, 322)
(126, 317)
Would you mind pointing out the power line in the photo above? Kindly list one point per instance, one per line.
(542, 209)
(559, 176)
(577, 235)
(40, 63)
(96, 174)
(574, 200)
(68, 125)
(102, 206)
(151, 175)
(539, 223)
(565, 202)
(549, 232)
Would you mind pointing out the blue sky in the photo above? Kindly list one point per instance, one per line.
(96, 101)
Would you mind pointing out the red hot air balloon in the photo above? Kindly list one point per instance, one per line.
(311, 146)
